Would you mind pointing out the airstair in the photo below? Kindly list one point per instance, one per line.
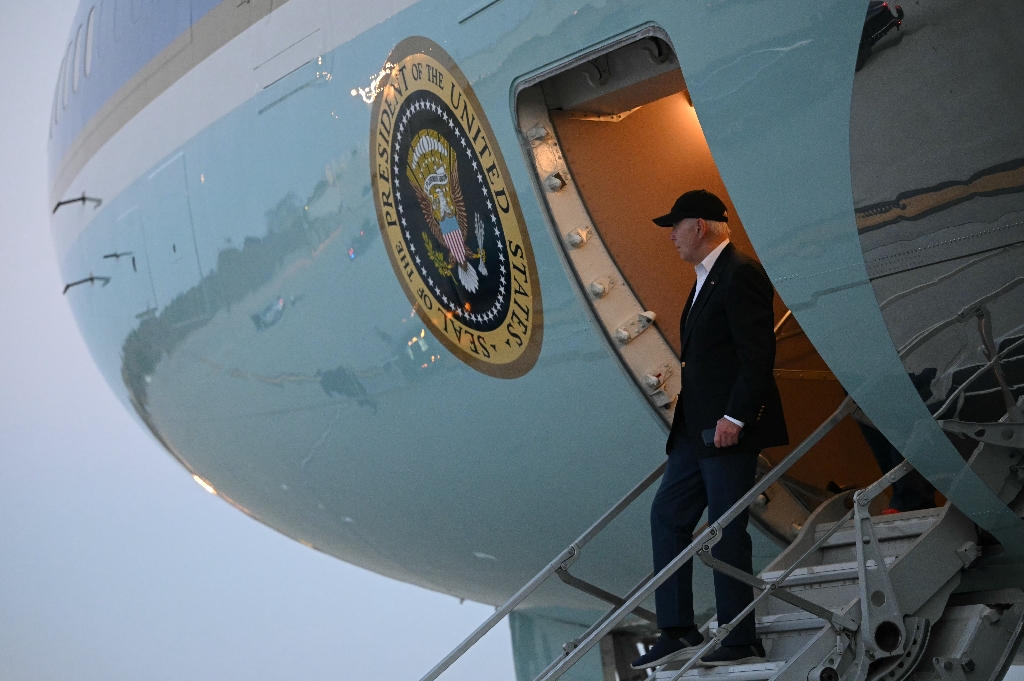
(858, 635)
(854, 597)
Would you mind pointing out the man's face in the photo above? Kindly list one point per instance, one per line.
(687, 235)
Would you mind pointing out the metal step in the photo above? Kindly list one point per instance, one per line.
(762, 671)
(896, 526)
(971, 640)
(786, 633)
(821, 574)
(896, 534)
(788, 623)
(783, 635)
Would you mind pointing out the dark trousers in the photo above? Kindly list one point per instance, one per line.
(912, 492)
(689, 485)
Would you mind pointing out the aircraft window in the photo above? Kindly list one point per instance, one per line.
(89, 29)
(65, 81)
(75, 70)
(593, 131)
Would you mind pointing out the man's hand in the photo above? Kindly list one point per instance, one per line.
(727, 433)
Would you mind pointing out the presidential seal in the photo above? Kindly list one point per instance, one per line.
(449, 214)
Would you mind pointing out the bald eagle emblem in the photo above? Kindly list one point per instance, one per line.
(433, 172)
(449, 215)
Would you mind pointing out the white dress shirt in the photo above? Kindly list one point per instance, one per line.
(703, 268)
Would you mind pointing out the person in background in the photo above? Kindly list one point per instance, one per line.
(912, 492)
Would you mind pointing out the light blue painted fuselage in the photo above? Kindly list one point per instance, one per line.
(254, 323)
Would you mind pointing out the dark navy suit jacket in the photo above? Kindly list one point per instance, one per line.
(728, 357)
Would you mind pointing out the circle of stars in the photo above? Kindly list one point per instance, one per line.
(495, 310)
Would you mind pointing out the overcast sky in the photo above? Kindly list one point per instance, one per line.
(114, 564)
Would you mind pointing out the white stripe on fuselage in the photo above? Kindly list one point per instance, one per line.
(215, 87)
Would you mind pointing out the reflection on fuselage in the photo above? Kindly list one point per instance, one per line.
(260, 333)
(938, 176)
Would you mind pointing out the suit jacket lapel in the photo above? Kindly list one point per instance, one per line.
(692, 311)
(686, 310)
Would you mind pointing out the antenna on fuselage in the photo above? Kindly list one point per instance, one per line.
(83, 198)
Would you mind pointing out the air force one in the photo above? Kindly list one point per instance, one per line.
(382, 275)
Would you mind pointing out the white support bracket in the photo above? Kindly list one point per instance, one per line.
(634, 327)
(577, 237)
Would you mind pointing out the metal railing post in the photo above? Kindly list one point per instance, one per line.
(706, 537)
(572, 644)
(562, 560)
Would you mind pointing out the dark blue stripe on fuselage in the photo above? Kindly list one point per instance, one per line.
(128, 34)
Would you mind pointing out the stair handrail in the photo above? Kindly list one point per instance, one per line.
(561, 562)
(631, 602)
(843, 624)
(997, 359)
(575, 642)
(706, 538)
(769, 589)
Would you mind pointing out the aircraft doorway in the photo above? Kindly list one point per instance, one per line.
(614, 140)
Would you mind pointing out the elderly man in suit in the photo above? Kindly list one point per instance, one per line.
(728, 410)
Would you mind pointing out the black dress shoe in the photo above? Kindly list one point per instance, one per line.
(667, 649)
(729, 655)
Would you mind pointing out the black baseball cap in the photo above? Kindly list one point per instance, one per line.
(699, 203)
